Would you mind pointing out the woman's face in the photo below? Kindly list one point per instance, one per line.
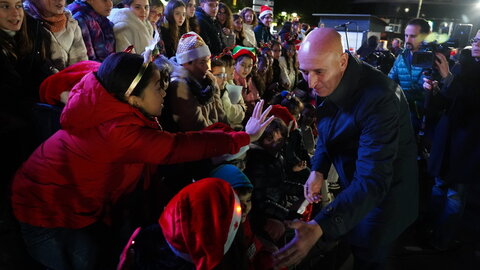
(179, 14)
(276, 51)
(191, 8)
(155, 14)
(102, 7)
(238, 24)
(151, 100)
(51, 8)
(140, 8)
(222, 15)
(11, 15)
(291, 51)
(244, 67)
(249, 17)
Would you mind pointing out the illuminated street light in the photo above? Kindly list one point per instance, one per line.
(294, 14)
(283, 13)
(407, 10)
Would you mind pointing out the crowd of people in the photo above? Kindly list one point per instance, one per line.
(188, 135)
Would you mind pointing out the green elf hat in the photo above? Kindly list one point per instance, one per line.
(240, 50)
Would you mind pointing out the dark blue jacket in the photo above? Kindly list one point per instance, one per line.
(210, 31)
(262, 33)
(364, 129)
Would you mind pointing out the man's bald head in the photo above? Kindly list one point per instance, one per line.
(322, 40)
(322, 60)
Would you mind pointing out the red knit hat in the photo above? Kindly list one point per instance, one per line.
(201, 221)
(282, 112)
(265, 10)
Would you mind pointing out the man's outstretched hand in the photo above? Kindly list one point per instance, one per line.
(306, 235)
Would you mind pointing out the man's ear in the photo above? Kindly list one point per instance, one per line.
(343, 61)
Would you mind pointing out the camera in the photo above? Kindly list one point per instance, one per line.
(425, 57)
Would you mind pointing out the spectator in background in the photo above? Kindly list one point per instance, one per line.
(175, 15)
(192, 19)
(262, 30)
(97, 29)
(240, 38)
(66, 41)
(396, 48)
(224, 17)
(193, 98)
(234, 112)
(279, 69)
(249, 22)
(368, 47)
(156, 15)
(210, 28)
(289, 60)
(286, 29)
(131, 25)
(245, 59)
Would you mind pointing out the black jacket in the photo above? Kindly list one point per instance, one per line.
(364, 129)
(262, 33)
(210, 31)
(455, 154)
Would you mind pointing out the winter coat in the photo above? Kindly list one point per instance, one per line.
(168, 42)
(67, 46)
(289, 74)
(210, 31)
(73, 179)
(192, 105)
(455, 154)
(364, 129)
(249, 93)
(250, 40)
(410, 78)
(20, 79)
(97, 30)
(262, 34)
(234, 113)
(130, 30)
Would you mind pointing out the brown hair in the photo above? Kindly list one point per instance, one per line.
(175, 31)
(228, 13)
(247, 9)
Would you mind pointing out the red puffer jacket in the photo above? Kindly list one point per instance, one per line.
(74, 177)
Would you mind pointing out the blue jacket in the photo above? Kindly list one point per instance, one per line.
(410, 78)
(262, 33)
(364, 129)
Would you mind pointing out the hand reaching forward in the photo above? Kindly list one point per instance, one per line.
(313, 187)
(306, 235)
(257, 123)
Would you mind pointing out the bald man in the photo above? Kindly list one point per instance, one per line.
(365, 131)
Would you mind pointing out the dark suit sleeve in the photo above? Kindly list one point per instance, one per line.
(320, 161)
(378, 122)
(204, 32)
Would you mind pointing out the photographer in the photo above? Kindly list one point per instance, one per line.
(409, 77)
(455, 151)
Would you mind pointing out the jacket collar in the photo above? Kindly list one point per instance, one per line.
(342, 96)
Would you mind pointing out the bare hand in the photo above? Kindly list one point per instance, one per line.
(430, 84)
(227, 31)
(442, 65)
(300, 166)
(313, 187)
(257, 123)
(306, 235)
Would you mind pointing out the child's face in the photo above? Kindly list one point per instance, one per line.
(246, 203)
(220, 76)
(156, 13)
(244, 66)
(273, 143)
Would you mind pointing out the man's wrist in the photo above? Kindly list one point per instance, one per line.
(317, 230)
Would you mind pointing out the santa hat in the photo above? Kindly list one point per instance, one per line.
(65, 80)
(233, 175)
(240, 50)
(190, 47)
(282, 112)
(265, 10)
(200, 222)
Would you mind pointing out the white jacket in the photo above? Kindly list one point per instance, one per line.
(130, 30)
(249, 36)
(67, 45)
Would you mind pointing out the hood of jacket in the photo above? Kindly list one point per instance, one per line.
(90, 105)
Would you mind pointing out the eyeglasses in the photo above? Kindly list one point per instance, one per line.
(221, 75)
(474, 40)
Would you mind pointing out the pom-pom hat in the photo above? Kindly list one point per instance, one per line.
(191, 47)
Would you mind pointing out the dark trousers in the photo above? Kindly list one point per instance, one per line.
(63, 248)
(374, 258)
